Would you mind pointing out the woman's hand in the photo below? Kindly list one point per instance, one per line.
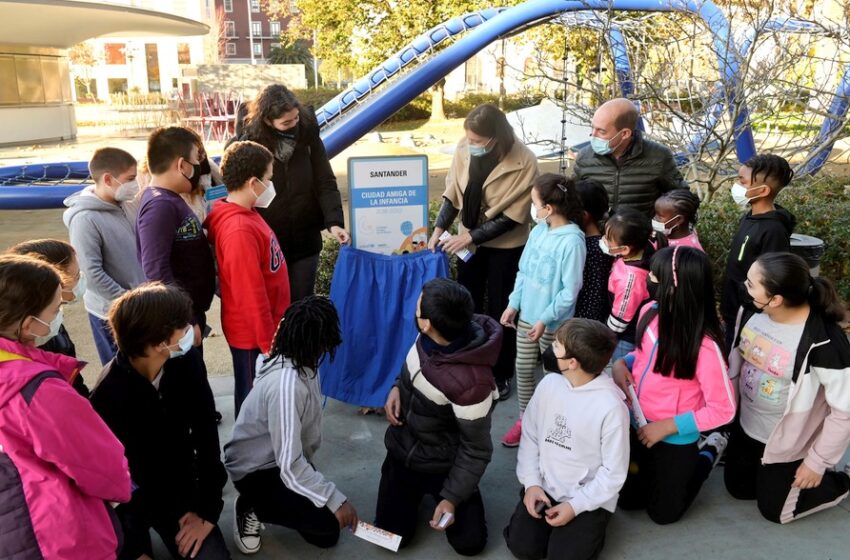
(622, 377)
(435, 239)
(456, 243)
(654, 432)
(341, 235)
(806, 478)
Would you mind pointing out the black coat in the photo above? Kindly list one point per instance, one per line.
(307, 199)
(62, 344)
(169, 435)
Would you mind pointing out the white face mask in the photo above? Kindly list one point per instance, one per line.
(184, 344)
(661, 227)
(264, 199)
(127, 191)
(739, 194)
(54, 326)
(603, 244)
(80, 289)
(535, 217)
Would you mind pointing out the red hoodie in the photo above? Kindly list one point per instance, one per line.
(252, 274)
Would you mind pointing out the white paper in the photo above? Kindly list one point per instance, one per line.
(377, 536)
(463, 254)
(636, 410)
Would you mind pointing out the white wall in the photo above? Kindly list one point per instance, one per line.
(23, 124)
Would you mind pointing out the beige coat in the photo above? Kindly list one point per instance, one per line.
(507, 190)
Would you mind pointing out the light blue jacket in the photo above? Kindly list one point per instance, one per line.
(550, 275)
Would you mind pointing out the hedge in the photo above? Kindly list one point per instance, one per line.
(822, 209)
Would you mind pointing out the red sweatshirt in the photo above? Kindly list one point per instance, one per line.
(252, 275)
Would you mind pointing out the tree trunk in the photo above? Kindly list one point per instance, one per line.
(438, 111)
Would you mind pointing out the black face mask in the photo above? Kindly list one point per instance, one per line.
(288, 134)
(205, 166)
(747, 301)
(652, 288)
(196, 176)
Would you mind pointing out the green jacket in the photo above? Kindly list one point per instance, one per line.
(644, 172)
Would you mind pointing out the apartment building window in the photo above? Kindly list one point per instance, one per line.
(230, 29)
(228, 6)
(257, 28)
(255, 6)
(230, 49)
(258, 49)
(274, 28)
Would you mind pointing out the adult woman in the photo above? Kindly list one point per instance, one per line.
(489, 185)
(308, 200)
(59, 463)
(792, 364)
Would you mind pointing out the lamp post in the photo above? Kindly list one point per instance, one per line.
(250, 32)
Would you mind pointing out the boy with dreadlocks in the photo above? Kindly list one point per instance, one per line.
(766, 228)
(279, 430)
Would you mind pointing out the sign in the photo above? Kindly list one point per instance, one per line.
(389, 203)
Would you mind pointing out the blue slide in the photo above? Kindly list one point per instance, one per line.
(390, 86)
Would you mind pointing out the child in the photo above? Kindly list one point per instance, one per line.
(155, 397)
(278, 432)
(548, 281)
(792, 363)
(572, 459)
(209, 175)
(675, 218)
(102, 229)
(627, 240)
(60, 463)
(63, 257)
(678, 372)
(252, 272)
(766, 227)
(171, 244)
(592, 300)
(439, 411)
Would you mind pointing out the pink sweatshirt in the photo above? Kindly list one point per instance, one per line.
(697, 405)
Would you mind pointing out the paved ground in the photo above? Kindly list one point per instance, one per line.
(717, 527)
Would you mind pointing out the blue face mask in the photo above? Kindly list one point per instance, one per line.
(184, 344)
(603, 147)
(478, 151)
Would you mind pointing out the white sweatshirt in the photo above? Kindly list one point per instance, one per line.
(575, 442)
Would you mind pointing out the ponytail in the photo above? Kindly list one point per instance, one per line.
(824, 299)
(788, 275)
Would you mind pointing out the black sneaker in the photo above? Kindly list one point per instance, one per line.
(246, 529)
(504, 387)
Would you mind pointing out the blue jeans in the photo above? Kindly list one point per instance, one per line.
(621, 350)
(244, 370)
(103, 341)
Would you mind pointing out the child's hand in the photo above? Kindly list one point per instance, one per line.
(393, 407)
(444, 506)
(654, 432)
(560, 515)
(509, 318)
(806, 478)
(536, 331)
(533, 496)
(346, 515)
(623, 378)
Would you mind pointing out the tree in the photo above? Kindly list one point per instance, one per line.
(84, 61)
(215, 40)
(296, 52)
(360, 35)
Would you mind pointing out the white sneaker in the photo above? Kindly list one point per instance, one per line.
(246, 530)
(719, 442)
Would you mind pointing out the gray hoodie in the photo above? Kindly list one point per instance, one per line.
(104, 236)
(280, 425)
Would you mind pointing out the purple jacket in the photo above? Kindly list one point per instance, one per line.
(172, 247)
(60, 466)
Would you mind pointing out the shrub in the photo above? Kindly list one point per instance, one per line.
(316, 97)
(822, 209)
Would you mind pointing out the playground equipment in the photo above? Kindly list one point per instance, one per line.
(418, 66)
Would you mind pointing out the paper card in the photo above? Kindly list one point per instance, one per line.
(637, 412)
(377, 536)
(463, 254)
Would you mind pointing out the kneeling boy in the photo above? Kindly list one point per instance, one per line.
(439, 410)
(574, 452)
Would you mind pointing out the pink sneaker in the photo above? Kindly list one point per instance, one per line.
(511, 438)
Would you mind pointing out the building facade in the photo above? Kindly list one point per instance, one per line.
(248, 33)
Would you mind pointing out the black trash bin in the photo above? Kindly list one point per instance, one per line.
(810, 248)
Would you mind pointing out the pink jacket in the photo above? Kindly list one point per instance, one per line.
(59, 463)
(697, 405)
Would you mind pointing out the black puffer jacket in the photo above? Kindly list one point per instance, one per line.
(645, 171)
(446, 403)
(307, 199)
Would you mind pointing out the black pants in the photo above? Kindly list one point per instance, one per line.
(265, 493)
(770, 485)
(137, 537)
(302, 276)
(533, 539)
(402, 490)
(664, 479)
(492, 272)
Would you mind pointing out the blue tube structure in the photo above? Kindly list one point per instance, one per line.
(835, 120)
